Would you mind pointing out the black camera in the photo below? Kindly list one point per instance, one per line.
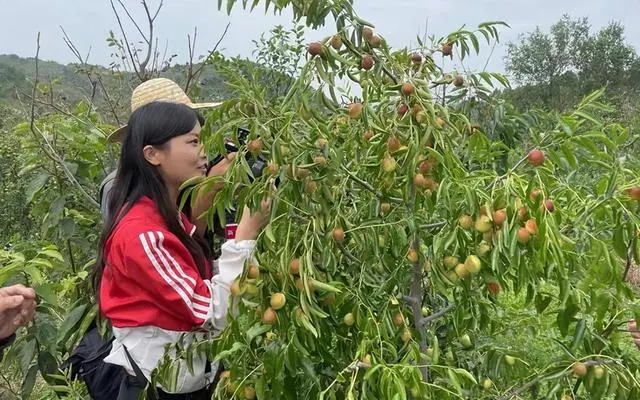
(257, 164)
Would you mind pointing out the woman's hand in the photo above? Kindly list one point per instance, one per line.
(250, 225)
(205, 199)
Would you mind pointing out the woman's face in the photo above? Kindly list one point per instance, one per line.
(182, 158)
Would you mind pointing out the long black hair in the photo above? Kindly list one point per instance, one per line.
(153, 124)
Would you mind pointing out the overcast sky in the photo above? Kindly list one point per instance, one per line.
(88, 23)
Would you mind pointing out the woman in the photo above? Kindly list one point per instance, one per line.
(153, 278)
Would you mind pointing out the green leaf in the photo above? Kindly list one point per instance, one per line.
(466, 374)
(47, 365)
(568, 154)
(55, 254)
(47, 334)
(566, 317)
(36, 184)
(618, 241)
(256, 330)
(237, 346)
(72, 320)
(56, 210)
(453, 378)
(34, 273)
(578, 335)
(48, 293)
(587, 117)
(474, 42)
(29, 382)
(67, 227)
(26, 353)
(230, 6)
(542, 302)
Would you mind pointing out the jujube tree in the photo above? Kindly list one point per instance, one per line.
(392, 240)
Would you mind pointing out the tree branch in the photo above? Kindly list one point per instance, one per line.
(348, 254)
(436, 315)
(501, 177)
(197, 72)
(150, 20)
(417, 290)
(433, 225)
(126, 41)
(368, 186)
(134, 21)
(409, 300)
(533, 382)
(47, 147)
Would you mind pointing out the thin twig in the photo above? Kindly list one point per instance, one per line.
(357, 365)
(511, 394)
(134, 21)
(433, 225)
(424, 321)
(192, 48)
(348, 254)
(368, 186)
(92, 80)
(501, 177)
(197, 72)
(47, 147)
(628, 265)
(126, 41)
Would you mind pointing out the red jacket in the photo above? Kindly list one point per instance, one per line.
(150, 277)
(153, 295)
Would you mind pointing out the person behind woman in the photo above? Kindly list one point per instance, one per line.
(153, 275)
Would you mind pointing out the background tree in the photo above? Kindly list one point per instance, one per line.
(559, 67)
(395, 248)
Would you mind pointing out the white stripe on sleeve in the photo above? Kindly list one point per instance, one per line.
(162, 251)
(177, 287)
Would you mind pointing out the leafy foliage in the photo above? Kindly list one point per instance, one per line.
(388, 293)
(365, 224)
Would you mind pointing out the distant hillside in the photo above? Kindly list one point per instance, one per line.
(72, 84)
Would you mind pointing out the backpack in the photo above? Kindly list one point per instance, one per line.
(87, 364)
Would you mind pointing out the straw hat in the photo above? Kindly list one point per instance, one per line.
(158, 89)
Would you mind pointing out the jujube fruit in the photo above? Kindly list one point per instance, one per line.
(277, 301)
(579, 369)
(254, 272)
(269, 316)
(294, 267)
(499, 217)
(349, 319)
(407, 88)
(367, 62)
(536, 157)
(354, 110)
(315, 49)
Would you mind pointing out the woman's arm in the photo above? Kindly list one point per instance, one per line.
(160, 260)
(205, 199)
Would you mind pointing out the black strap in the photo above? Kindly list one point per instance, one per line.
(151, 393)
(6, 342)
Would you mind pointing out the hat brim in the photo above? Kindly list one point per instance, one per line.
(117, 135)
